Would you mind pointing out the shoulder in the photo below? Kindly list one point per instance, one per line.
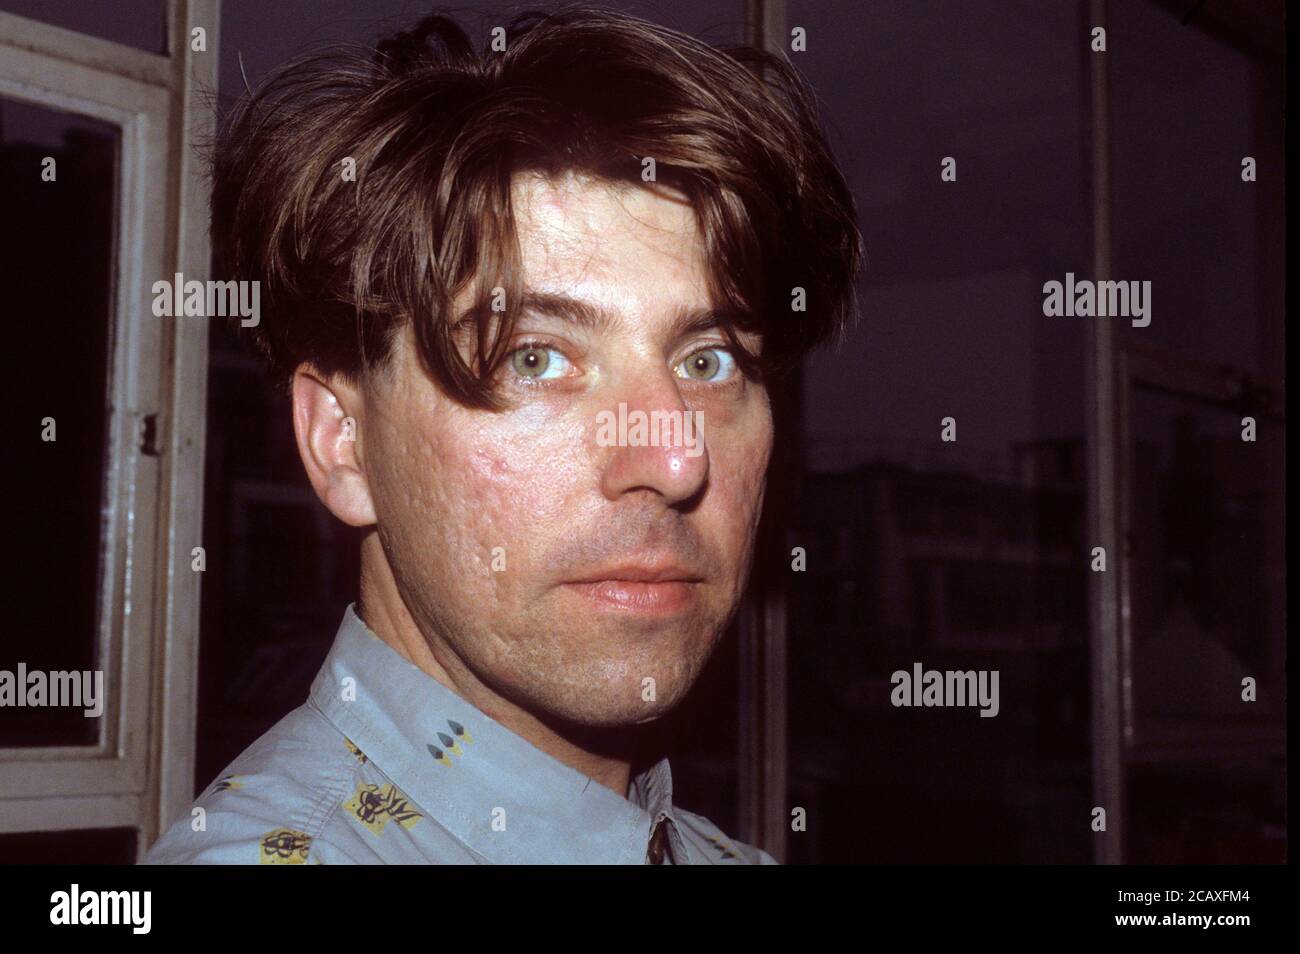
(712, 846)
(274, 803)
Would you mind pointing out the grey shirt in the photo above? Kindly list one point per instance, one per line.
(383, 764)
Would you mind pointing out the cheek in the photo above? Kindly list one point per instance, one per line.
(738, 471)
(413, 495)
(740, 490)
(498, 484)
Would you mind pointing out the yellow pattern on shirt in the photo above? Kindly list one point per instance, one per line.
(375, 806)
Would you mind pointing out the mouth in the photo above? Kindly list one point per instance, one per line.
(646, 589)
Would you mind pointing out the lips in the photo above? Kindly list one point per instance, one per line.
(639, 588)
(641, 573)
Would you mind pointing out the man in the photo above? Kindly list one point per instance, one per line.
(527, 303)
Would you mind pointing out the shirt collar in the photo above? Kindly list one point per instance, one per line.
(473, 774)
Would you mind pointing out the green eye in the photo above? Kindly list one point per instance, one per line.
(708, 364)
(538, 362)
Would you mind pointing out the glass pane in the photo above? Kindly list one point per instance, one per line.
(138, 23)
(1208, 569)
(93, 846)
(1208, 566)
(1198, 177)
(1187, 109)
(1229, 812)
(58, 253)
(956, 556)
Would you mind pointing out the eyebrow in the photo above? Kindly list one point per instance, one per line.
(593, 317)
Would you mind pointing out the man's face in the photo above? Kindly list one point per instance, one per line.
(562, 572)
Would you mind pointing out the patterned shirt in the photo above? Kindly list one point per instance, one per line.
(383, 764)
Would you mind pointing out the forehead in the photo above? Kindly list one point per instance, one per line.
(621, 246)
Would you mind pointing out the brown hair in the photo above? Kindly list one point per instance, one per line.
(437, 130)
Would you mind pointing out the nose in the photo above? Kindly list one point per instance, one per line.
(654, 443)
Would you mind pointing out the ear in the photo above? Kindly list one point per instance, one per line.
(327, 424)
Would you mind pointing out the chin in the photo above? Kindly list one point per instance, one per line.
(608, 706)
(618, 714)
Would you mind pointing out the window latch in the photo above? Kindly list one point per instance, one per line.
(149, 437)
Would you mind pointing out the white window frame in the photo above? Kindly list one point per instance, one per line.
(140, 773)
